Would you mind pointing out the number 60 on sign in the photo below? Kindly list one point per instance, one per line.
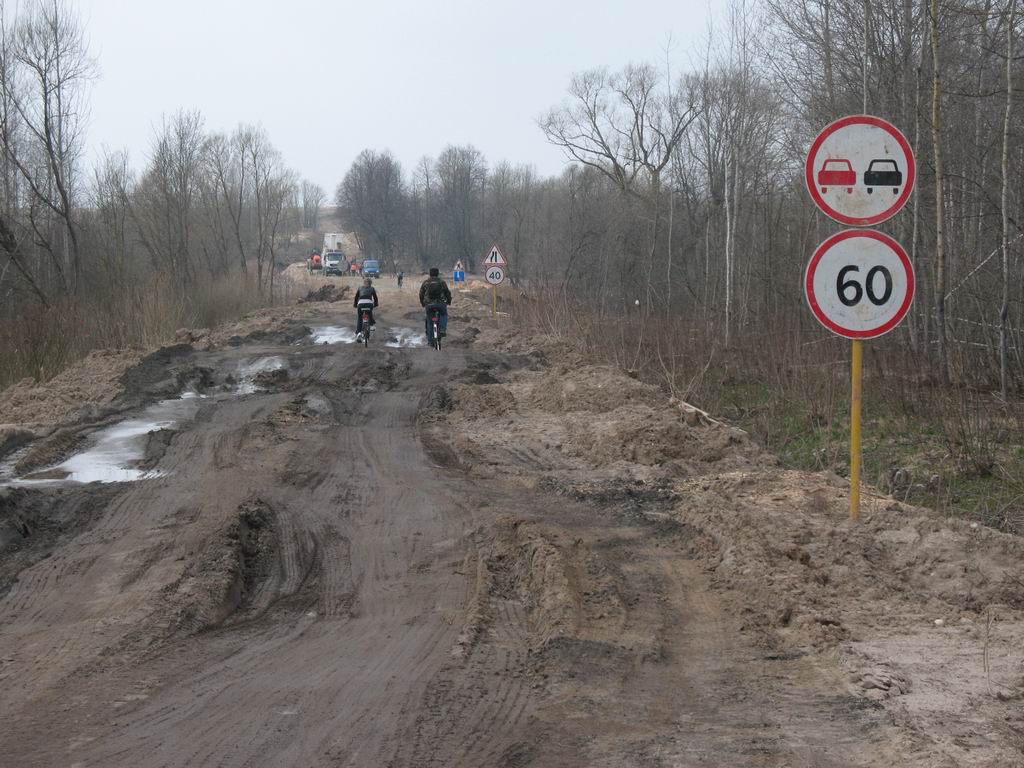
(859, 284)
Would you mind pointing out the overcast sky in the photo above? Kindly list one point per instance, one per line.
(328, 78)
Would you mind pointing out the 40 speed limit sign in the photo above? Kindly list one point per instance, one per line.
(860, 284)
(494, 275)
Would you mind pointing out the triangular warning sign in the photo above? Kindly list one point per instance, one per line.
(494, 258)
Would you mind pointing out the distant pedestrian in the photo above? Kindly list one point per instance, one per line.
(401, 276)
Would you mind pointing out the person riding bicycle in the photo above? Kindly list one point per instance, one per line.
(434, 295)
(366, 298)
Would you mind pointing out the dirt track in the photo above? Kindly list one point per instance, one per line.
(398, 557)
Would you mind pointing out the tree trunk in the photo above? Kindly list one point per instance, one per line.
(728, 253)
(940, 195)
(1004, 309)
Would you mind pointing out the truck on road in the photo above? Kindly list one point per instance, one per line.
(333, 241)
(334, 264)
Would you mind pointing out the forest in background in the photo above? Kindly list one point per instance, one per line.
(684, 189)
(109, 255)
(674, 242)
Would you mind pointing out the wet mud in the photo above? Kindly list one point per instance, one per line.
(306, 552)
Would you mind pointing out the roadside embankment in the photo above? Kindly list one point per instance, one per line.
(924, 613)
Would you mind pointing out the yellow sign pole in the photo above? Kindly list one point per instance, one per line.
(855, 406)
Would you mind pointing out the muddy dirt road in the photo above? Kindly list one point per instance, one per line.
(321, 560)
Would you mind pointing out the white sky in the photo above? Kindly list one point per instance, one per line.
(328, 78)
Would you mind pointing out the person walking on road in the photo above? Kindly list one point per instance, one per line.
(434, 294)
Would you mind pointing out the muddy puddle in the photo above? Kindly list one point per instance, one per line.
(332, 334)
(251, 375)
(404, 337)
(397, 338)
(115, 451)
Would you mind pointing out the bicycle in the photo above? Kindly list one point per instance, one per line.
(435, 321)
(367, 329)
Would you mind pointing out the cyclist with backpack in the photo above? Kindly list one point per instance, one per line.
(434, 295)
(366, 298)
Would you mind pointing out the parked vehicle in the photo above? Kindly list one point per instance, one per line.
(837, 173)
(883, 173)
(334, 241)
(334, 264)
(371, 268)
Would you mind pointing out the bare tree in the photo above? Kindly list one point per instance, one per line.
(373, 197)
(44, 78)
(626, 125)
(163, 207)
(940, 190)
(1004, 169)
(461, 183)
(313, 197)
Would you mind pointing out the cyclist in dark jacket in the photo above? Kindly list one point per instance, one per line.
(434, 294)
(366, 298)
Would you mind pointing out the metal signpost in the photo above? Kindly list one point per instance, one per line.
(859, 284)
(495, 268)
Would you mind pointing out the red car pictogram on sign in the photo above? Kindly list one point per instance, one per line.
(837, 173)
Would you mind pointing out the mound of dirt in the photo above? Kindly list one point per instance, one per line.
(32, 520)
(329, 293)
(924, 613)
(95, 380)
(591, 388)
(591, 421)
(224, 578)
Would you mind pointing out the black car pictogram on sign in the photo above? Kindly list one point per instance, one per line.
(883, 173)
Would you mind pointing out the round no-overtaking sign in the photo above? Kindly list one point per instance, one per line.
(860, 284)
(860, 170)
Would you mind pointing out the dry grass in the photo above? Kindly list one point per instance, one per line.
(42, 342)
(956, 448)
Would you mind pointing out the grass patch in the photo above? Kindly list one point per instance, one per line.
(959, 452)
(955, 449)
(42, 342)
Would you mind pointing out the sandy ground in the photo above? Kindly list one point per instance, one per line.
(492, 555)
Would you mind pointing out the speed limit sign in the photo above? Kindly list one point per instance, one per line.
(494, 275)
(860, 284)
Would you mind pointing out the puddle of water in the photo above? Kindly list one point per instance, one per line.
(396, 337)
(248, 372)
(405, 337)
(333, 334)
(117, 448)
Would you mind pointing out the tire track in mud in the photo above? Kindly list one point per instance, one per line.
(469, 712)
(339, 632)
(390, 609)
